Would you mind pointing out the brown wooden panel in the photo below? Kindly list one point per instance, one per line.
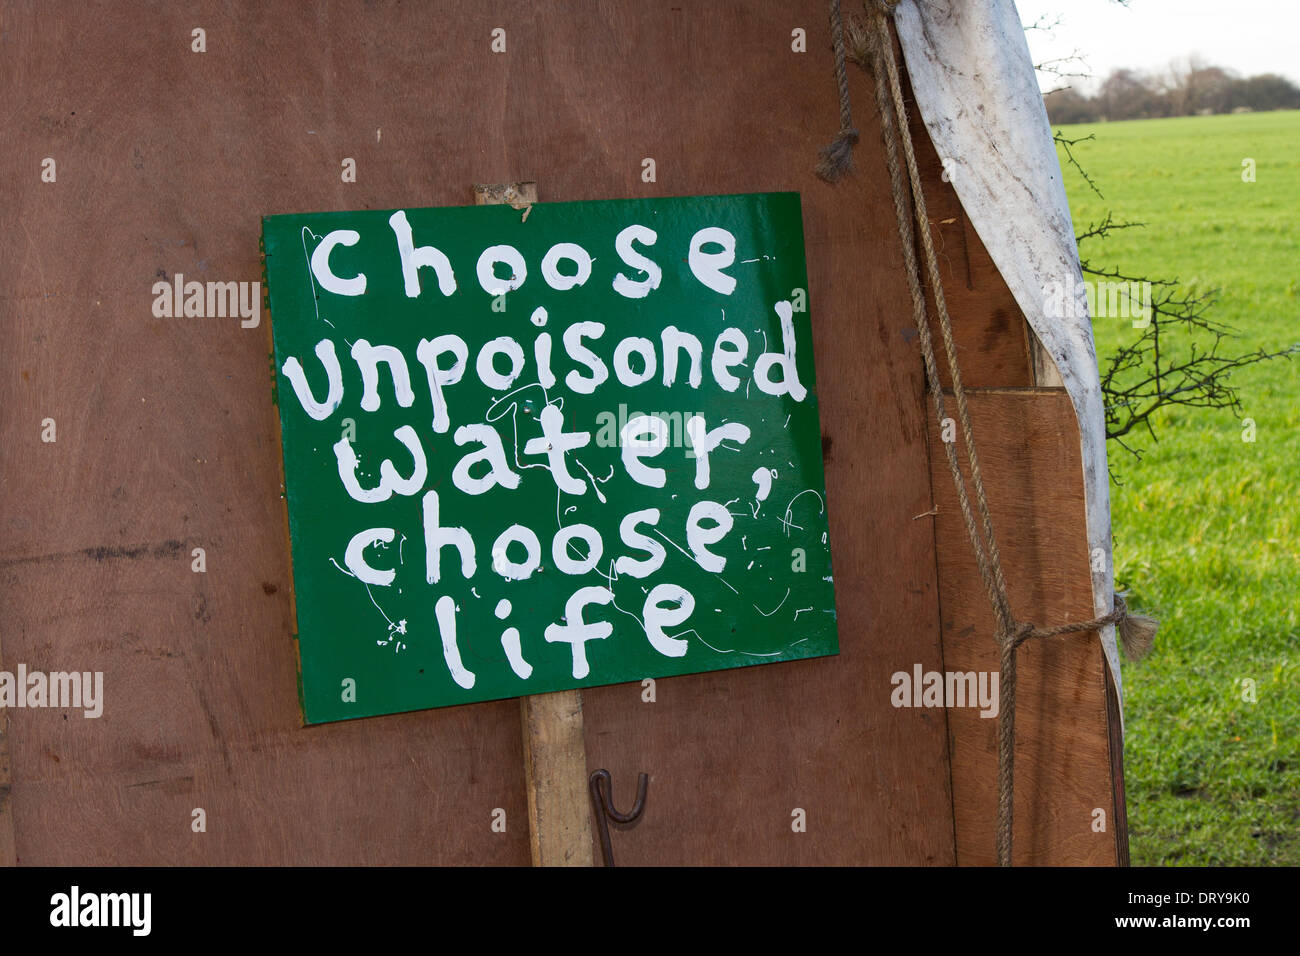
(200, 712)
(988, 326)
(1115, 726)
(1029, 454)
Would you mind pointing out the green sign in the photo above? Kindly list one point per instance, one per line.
(532, 450)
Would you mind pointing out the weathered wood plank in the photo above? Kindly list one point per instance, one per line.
(555, 770)
(1029, 454)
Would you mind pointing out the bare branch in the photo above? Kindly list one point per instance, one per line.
(1065, 142)
(1104, 228)
(1045, 22)
(1059, 66)
(1180, 357)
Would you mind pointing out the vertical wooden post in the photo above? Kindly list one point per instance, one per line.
(555, 767)
(555, 758)
(1046, 374)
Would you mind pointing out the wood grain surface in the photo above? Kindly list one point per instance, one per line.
(168, 441)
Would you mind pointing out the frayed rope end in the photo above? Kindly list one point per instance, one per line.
(861, 41)
(1137, 632)
(837, 158)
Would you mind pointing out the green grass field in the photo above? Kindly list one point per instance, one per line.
(1207, 525)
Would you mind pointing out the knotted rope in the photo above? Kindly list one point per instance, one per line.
(872, 44)
(838, 156)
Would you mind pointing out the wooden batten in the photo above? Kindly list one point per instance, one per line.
(1029, 453)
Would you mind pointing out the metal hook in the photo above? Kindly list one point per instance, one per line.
(602, 789)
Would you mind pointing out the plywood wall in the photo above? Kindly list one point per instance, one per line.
(167, 441)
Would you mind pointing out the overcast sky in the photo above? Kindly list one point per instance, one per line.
(1248, 36)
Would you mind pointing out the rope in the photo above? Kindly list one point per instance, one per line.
(837, 158)
(1136, 632)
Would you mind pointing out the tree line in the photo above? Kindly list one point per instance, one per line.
(1190, 87)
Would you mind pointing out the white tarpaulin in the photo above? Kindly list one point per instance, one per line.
(975, 87)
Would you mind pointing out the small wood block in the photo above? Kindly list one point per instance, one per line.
(518, 195)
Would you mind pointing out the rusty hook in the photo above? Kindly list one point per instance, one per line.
(602, 789)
